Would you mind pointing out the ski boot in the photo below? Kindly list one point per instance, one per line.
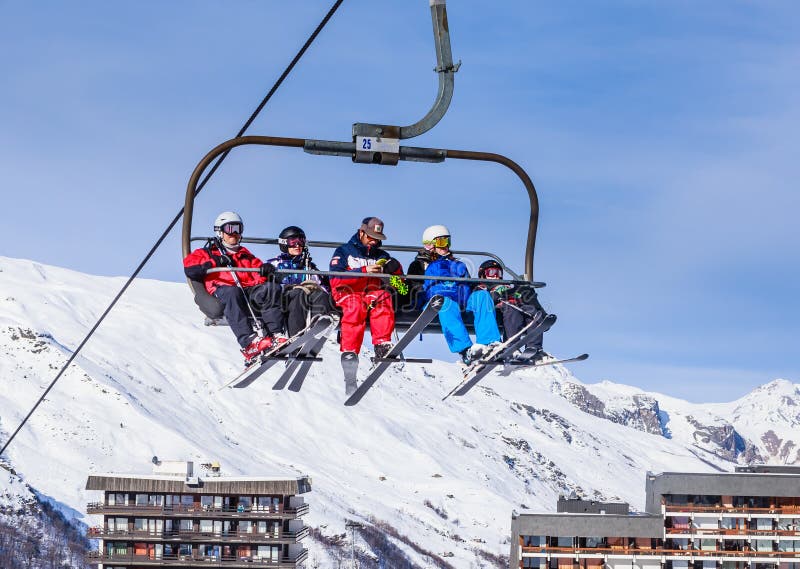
(252, 351)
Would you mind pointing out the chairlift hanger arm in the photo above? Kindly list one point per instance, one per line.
(445, 69)
(340, 149)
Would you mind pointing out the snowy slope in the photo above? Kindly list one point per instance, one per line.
(445, 474)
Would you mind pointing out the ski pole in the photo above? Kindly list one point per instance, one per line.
(515, 307)
(256, 321)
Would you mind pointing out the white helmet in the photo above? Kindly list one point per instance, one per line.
(433, 232)
(227, 217)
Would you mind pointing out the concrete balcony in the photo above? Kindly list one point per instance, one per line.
(96, 557)
(196, 511)
(196, 536)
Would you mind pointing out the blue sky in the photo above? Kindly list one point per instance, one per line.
(661, 136)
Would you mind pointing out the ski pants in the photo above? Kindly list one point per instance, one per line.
(517, 315)
(237, 312)
(300, 305)
(455, 332)
(356, 307)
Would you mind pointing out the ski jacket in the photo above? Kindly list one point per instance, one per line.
(287, 261)
(200, 260)
(354, 256)
(447, 266)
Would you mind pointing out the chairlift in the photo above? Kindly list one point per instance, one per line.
(378, 144)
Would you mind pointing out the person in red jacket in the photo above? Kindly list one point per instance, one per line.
(255, 288)
(361, 297)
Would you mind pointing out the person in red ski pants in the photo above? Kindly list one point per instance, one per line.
(361, 298)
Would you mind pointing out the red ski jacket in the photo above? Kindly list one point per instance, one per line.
(198, 261)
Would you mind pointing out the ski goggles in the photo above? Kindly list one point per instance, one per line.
(442, 242)
(293, 242)
(232, 228)
(493, 273)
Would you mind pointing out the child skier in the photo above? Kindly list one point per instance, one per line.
(304, 296)
(518, 306)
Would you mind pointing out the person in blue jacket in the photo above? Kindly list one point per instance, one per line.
(435, 259)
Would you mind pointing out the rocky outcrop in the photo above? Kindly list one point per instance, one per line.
(641, 412)
(723, 441)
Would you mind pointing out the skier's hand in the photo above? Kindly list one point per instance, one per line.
(391, 266)
(267, 271)
(222, 260)
(373, 269)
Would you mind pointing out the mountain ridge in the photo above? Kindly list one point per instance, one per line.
(445, 474)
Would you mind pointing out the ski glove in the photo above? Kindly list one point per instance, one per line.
(222, 260)
(391, 266)
(267, 271)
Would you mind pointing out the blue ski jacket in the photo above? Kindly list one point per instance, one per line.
(286, 261)
(447, 267)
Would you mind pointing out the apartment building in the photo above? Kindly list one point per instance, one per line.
(748, 519)
(174, 518)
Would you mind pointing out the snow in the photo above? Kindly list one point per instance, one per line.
(148, 384)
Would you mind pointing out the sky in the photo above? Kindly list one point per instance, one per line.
(661, 137)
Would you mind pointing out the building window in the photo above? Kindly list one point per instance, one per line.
(594, 542)
(533, 541)
(185, 550)
(534, 563)
(186, 526)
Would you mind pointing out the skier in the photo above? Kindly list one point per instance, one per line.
(304, 296)
(238, 291)
(361, 298)
(435, 259)
(518, 306)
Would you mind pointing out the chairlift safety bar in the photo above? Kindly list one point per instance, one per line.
(401, 248)
(361, 275)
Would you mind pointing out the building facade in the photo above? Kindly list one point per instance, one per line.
(748, 519)
(175, 519)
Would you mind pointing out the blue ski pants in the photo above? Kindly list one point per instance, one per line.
(455, 332)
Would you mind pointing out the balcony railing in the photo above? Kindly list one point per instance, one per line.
(197, 510)
(95, 557)
(622, 550)
(786, 510)
(193, 536)
(739, 532)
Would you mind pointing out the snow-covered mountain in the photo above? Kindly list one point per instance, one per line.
(444, 476)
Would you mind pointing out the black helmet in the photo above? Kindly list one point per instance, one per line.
(485, 265)
(288, 233)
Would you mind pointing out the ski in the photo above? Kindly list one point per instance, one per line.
(278, 353)
(508, 366)
(477, 371)
(425, 317)
(302, 367)
(304, 356)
